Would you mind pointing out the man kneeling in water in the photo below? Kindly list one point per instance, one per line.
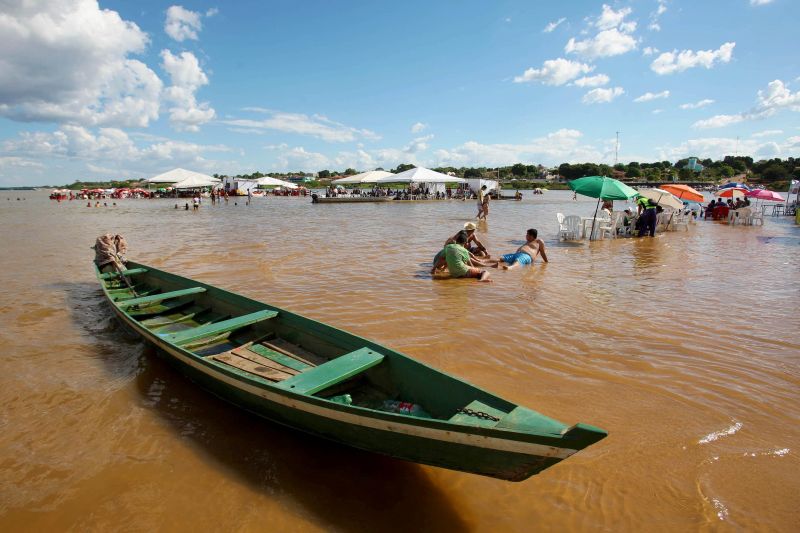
(526, 253)
(456, 257)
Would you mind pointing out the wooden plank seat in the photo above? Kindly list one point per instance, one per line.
(128, 295)
(131, 272)
(334, 371)
(153, 298)
(216, 328)
(159, 308)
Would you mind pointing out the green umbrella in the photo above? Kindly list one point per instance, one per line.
(602, 188)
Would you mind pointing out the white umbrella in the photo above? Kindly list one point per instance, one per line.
(662, 198)
(270, 181)
(178, 175)
(365, 177)
(420, 175)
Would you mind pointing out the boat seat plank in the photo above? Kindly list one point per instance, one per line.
(292, 350)
(279, 357)
(215, 328)
(122, 296)
(166, 320)
(249, 366)
(247, 353)
(334, 371)
(131, 272)
(469, 420)
(160, 296)
(159, 308)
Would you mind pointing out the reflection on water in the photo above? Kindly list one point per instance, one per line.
(682, 346)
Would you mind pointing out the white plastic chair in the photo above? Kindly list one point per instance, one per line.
(744, 216)
(757, 216)
(570, 229)
(681, 220)
(612, 225)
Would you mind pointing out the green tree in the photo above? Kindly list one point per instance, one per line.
(350, 172)
(519, 169)
(402, 168)
(472, 173)
(324, 174)
(775, 172)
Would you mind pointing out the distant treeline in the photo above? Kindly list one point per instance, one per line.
(772, 172)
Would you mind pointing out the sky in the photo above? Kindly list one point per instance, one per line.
(117, 90)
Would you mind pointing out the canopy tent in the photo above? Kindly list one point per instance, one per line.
(365, 177)
(197, 181)
(419, 175)
(268, 181)
(178, 175)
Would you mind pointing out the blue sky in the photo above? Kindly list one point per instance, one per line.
(130, 89)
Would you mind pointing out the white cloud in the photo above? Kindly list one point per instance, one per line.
(298, 158)
(672, 62)
(419, 127)
(69, 62)
(301, 124)
(646, 97)
(760, 2)
(719, 147)
(656, 15)
(775, 98)
(697, 105)
(211, 12)
(420, 144)
(560, 146)
(610, 18)
(614, 37)
(187, 77)
(718, 121)
(607, 43)
(602, 96)
(555, 72)
(766, 133)
(592, 81)
(553, 25)
(657, 111)
(182, 24)
(649, 50)
(107, 147)
(13, 161)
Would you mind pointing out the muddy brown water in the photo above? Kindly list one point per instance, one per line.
(684, 347)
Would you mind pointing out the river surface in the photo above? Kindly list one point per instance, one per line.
(684, 347)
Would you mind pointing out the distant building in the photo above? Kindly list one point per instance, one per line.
(694, 165)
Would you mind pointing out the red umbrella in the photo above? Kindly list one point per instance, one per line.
(732, 192)
(763, 194)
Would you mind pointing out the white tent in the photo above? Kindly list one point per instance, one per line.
(420, 175)
(197, 181)
(275, 182)
(365, 177)
(177, 175)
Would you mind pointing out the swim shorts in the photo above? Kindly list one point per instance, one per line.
(522, 257)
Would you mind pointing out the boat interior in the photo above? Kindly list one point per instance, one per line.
(251, 340)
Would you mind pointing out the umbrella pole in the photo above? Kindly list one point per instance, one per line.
(595, 218)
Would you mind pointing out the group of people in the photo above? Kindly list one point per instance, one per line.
(464, 256)
(730, 204)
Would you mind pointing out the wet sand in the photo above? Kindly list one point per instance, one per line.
(684, 347)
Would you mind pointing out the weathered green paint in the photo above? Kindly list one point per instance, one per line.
(527, 443)
(160, 297)
(129, 272)
(215, 328)
(321, 377)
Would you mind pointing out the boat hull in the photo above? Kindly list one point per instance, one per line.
(508, 455)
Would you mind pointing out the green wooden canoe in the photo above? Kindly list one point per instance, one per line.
(333, 384)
